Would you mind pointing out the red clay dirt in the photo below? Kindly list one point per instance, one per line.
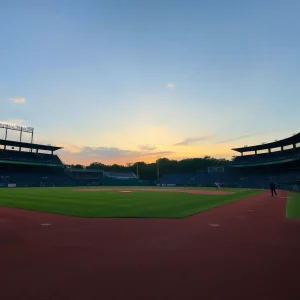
(172, 190)
(245, 250)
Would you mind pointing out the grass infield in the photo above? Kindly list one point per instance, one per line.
(96, 204)
(293, 206)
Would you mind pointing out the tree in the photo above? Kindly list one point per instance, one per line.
(77, 166)
(166, 166)
(96, 165)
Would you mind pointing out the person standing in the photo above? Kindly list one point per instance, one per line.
(273, 188)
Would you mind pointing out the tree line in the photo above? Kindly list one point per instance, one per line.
(149, 171)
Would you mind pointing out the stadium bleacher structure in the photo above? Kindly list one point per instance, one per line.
(85, 177)
(28, 165)
(24, 165)
(13, 156)
(251, 171)
(122, 179)
(178, 179)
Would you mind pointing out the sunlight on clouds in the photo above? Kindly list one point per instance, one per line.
(195, 140)
(147, 147)
(86, 155)
(170, 85)
(154, 135)
(144, 143)
(18, 100)
(111, 155)
(142, 135)
(221, 151)
(71, 148)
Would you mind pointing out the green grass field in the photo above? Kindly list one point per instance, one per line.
(293, 206)
(94, 204)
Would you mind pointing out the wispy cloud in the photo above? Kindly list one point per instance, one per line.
(112, 152)
(71, 148)
(170, 85)
(237, 138)
(104, 154)
(18, 100)
(147, 148)
(194, 140)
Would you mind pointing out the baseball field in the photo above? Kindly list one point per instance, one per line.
(121, 202)
(148, 244)
(293, 206)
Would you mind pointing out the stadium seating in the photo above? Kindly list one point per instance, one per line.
(120, 175)
(231, 178)
(120, 179)
(29, 157)
(178, 179)
(267, 157)
(245, 179)
(28, 179)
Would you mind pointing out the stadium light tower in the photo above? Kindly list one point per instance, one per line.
(9, 126)
(157, 169)
(137, 168)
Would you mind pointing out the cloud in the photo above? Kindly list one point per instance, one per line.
(71, 148)
(147, 148)
(159, 153)
(170, 85)
(18, 100)
(236, 138)
(107, 153)
(194, 140)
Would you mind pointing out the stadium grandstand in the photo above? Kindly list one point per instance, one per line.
(277, 152)
(256, 167)
(122, 179)
(28, 164)
(277, 161)
(85, 177)
(94, 177)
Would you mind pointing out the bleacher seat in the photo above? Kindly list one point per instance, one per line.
(267, 157)
(22, 156)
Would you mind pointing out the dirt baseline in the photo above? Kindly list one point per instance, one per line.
(188, 191)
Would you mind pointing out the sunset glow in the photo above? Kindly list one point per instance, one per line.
(116, 83)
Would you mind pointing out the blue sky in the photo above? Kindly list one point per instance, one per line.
(112, 81)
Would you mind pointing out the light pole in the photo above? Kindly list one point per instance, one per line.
(157, 168)
(137, 168)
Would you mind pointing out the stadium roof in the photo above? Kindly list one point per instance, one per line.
(281, 143)
(29, 145)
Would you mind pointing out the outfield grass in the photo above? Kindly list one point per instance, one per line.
(93, 204)
(293, 206)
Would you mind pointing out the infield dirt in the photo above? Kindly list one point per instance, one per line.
(189, 191)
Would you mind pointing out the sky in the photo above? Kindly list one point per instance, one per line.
(118, 81)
